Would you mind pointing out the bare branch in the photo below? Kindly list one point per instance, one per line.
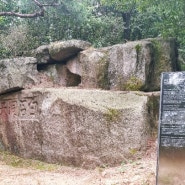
(30, 15)
(36, 14)
(37, 3)
(42, 5)
(54, 4)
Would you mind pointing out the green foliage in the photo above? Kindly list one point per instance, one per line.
(152, 18)
(97, 21)
(74, 20)
(120, 5)
(144, 25)
(16, 42)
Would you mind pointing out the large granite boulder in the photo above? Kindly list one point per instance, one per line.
(78, 127)
(59, 51)
(62, 50)
(17, 73)
(132, 66)
(138, 65)
(128, 65)
(92, 65)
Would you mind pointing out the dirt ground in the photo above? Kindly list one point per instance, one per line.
(18, 171)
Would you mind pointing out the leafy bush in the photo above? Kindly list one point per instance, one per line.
(15, 42)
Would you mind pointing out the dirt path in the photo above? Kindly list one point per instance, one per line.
(140, 173)
(18, 171)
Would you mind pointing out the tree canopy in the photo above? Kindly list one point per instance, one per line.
(22, 8)
(37, 13)
(101, 22)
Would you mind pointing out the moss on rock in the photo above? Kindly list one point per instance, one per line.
(112, 114)
(133, 84)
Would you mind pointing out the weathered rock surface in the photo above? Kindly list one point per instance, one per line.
(42, 54)
(58, 75)
(92, 65)
(84, 128)
(132, 66)
(17, 73)
(74, 66)
(60, 51)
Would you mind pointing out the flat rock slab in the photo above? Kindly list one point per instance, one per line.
(78, 127)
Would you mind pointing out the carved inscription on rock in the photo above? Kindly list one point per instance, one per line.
(28, 108)
(18, 109)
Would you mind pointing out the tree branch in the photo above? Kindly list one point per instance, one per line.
(38, 3)
(31, 15)
(42, 5)
(36, 14)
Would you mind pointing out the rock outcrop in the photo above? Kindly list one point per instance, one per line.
(56, 106)
(85, 128)
(131, 66)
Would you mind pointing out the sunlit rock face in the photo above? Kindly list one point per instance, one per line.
(78, 127)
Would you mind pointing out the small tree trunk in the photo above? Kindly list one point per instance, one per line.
(126, 30)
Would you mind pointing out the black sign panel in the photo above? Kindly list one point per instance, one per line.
(171, 150)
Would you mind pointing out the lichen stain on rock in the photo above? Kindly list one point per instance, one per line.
(102, 76)
(163, 59)
(153, 110)
(138, 48)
